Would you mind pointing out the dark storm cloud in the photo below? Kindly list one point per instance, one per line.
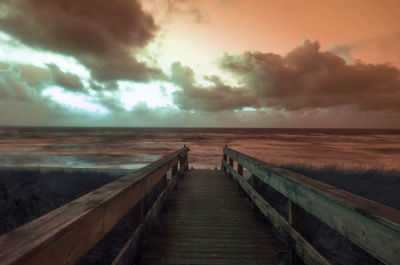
(216, 97)
(305, 78)
(22, 102)
(33, 76)
(33, 79)
(112, 103)
(12, 87)
(66, 80)
(102, 34)
(309, 78)
(24, 84)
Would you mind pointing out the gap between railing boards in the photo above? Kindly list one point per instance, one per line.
(370, 225)
(65, 234)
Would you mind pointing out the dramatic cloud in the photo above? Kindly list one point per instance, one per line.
(309, 78)
(21, 102)
(15, 86)
(216, 97)
(29, 78)
(101, 34)
(66, 80)
(32, 75)
(305, 78)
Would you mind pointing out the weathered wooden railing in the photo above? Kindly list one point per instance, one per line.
(65, 234)
(370, 225)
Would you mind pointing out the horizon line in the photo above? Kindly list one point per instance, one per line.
(197, 127)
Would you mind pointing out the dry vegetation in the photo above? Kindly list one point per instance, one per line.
(374, 184)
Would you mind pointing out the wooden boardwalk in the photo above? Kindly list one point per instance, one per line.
(207, 221)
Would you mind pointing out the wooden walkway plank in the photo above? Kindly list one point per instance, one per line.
(207, 221)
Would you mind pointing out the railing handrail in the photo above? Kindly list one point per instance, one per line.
(65, 234)
(371, 225)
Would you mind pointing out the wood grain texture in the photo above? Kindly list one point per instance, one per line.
(304, 250)
(296, 217)
(65, 234)
(370, 225)
(209, 222)
(129, 252)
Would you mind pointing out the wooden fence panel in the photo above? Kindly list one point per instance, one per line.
(371, 225)
(65, 234)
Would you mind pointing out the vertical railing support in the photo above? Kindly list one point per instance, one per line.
(186, 165)
(240, 171)
(180, 167)
(255, 183)
(135, 216)
(174, 171)
(224, 158)
(183, 164)
(296, 220)
(162, 184)
(231, 164)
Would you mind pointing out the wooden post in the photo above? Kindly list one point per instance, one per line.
(224, 158)
(240, 171)
(231, 164)
(296, 220)
(186, 165)
(186, 161)
(174, 171)
(255, 183)
(162, 184)
(135, 216)
(182, 165)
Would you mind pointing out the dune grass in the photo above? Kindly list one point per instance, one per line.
(374, 184)
(28, 193)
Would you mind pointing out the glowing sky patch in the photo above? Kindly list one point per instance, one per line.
(246, 109)
(13, 51)
(154, 94)
(163, 51)
(249, 109)
(73, 101)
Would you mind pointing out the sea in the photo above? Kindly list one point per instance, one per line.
(132, 148)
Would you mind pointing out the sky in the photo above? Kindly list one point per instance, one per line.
(200, 63)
